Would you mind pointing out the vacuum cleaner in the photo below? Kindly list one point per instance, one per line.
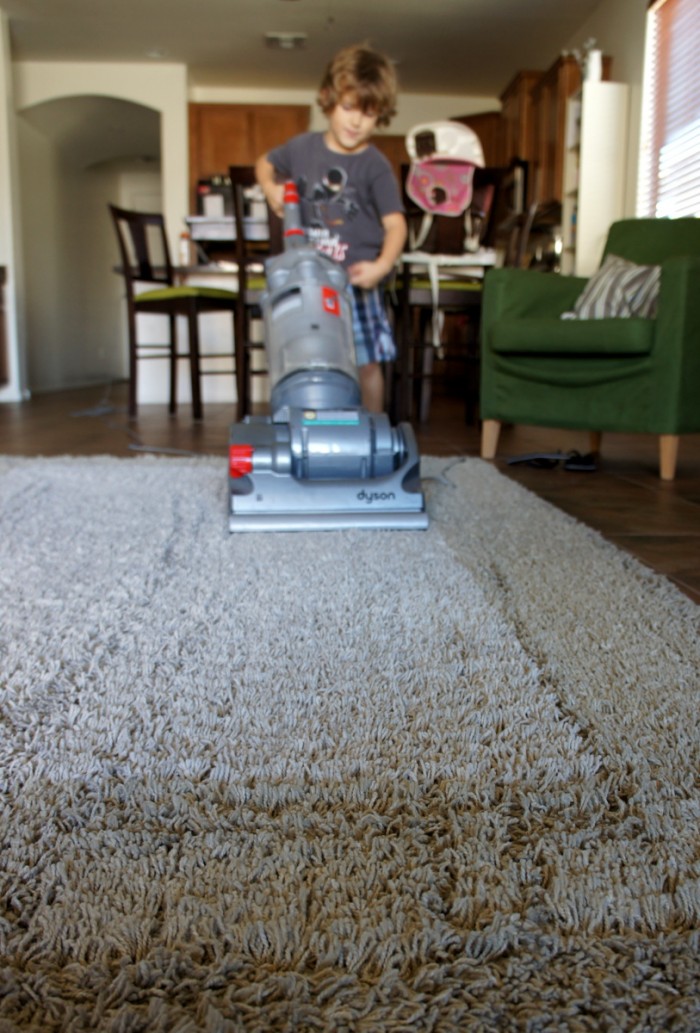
(320, 461)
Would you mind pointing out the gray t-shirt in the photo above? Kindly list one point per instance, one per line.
(343, 196)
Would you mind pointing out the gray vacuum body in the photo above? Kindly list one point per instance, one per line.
(320, 461)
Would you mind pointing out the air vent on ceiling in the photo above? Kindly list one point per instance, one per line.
(285, 40)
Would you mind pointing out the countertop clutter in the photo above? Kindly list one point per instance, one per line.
(211, 232)
(214, 219)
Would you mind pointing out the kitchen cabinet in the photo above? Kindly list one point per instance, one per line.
(549, 97)
(594, 172)
(237, 134)
(488, 126)
(393, 147)
(518, 117)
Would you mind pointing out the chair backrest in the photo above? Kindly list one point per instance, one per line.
(143, 246)
(651, 241)
(508, 184)
(242, 180)
(518, 236)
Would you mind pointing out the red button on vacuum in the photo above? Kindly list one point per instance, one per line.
(240, 460)
(331, 301)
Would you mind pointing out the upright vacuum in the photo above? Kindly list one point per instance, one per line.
(320, 461)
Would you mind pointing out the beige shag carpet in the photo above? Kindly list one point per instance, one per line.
(342, 781)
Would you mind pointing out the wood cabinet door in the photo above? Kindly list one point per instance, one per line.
(488, 126)
(516, 100)
(237, 134)
(219, 137)
(271, 126)
(549, 100)
(393, 147)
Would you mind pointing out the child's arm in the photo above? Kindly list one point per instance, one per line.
(273, 191)
(369, 274)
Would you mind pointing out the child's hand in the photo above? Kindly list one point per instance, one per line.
(274, 195)
(366, 274)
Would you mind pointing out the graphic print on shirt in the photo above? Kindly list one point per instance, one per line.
(327, 205)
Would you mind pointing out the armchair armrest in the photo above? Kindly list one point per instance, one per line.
(679, 298)
(676, 352)
(528, 292)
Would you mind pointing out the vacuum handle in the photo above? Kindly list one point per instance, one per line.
(294, 233)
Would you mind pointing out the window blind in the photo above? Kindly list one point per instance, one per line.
(669, 180)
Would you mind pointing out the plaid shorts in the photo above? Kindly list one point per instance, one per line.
(374, 340)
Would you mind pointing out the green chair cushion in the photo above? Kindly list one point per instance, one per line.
(186, 291)
(448, 285)
(423, 284)
(572, 337)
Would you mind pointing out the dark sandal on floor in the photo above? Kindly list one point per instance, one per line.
(573, 461)
(540, 460)
(581, 464)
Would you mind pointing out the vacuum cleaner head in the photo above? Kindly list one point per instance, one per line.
(320, 461)
(323, 469)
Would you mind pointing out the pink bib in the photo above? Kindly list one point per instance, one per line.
(441, 185)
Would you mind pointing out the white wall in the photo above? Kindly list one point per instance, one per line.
(74, 307)
(162, 87)
(73, 303)
(40, 176)
(10, 228)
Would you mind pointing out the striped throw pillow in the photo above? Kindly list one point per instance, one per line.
(620, 289)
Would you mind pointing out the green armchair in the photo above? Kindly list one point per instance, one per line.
(634, 374)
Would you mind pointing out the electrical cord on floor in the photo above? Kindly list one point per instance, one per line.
(165, 450)
(105, 407)
(442, 478)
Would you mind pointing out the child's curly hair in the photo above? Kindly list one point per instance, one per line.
(368, 76)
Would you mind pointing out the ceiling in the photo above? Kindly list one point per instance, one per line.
(458, 47)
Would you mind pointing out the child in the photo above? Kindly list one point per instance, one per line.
(350, 200)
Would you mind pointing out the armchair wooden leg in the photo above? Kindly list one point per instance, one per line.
(595, 439)
(490, 430)
(668, 456)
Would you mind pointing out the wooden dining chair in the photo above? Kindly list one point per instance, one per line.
(145, 259)
(251, 250)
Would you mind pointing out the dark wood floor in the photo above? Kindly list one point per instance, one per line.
(623, 499)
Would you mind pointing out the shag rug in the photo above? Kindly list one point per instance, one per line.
(338, 781)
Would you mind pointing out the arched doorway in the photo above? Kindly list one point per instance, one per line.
(76, 154)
